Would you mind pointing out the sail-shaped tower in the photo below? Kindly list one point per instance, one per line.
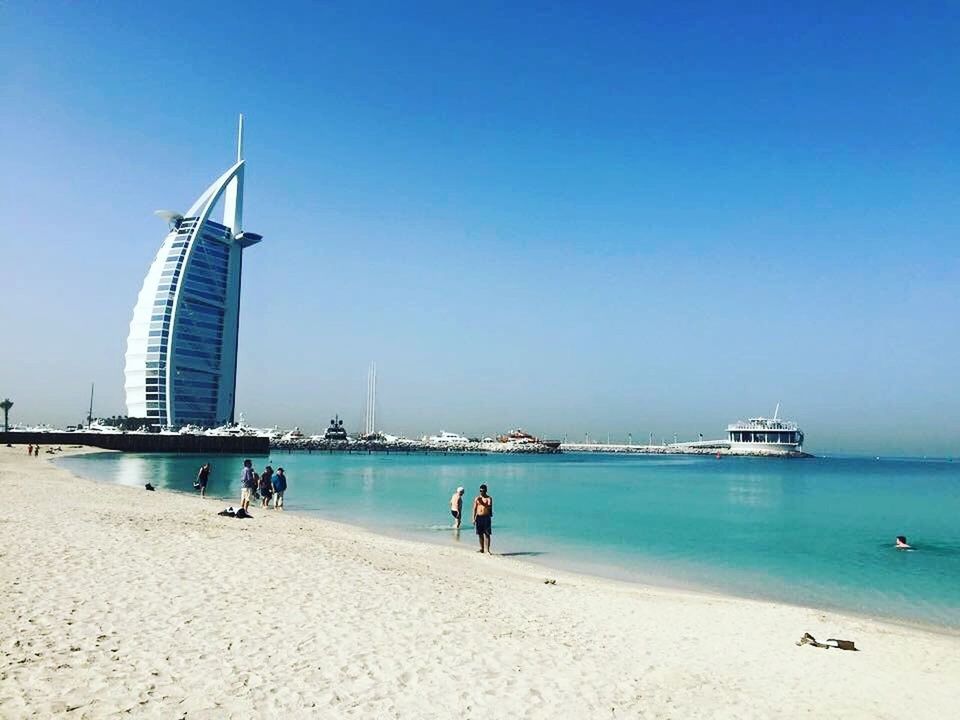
(181, 359)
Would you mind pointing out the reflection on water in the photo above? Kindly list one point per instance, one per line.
(754, 491)
(816, 532)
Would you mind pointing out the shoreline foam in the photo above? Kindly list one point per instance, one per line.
(119, 599)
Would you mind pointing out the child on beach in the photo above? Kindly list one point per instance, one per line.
(279, 488)
(266, 486)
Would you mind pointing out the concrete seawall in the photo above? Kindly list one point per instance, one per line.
(145, 442)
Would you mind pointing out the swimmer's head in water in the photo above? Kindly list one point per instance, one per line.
(902, 539)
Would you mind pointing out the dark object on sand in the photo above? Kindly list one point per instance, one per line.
(241, 513)
(809, 639)
(228, 512)
(148, 486)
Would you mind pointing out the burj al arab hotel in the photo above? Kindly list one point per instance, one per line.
(181, 360)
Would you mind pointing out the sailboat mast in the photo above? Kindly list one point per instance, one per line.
(90, 411)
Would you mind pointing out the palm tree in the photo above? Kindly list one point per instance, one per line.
(6, 405)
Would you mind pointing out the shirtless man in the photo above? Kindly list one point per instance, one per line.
(456, 507)
(482, 515)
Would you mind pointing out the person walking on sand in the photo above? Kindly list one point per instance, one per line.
(279, 488)
(482, 517)
(202, 478)
(29, 449)
(248, 485)
(266, 486)
(456, 507)
(36, 451)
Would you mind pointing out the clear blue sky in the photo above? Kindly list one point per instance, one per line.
(641, 218)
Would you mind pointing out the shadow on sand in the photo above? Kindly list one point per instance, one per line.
(525, 553)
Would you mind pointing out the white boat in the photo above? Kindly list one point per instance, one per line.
(293, 436)
(765, 436)
(94, 427)
(17, 427)
(447, 438)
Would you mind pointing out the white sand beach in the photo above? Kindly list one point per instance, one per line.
(123, 602)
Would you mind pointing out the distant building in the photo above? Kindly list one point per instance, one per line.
(181, 359)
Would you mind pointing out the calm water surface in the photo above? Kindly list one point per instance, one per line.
(813, 532)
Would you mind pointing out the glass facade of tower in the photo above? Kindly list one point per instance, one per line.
(188, 314)
(198, 332)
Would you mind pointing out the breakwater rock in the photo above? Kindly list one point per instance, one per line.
(719, 448)
(413, 446)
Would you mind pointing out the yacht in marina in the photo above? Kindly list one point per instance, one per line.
(336, 431)
(447, 438)
(765, 436)
(294, 435)
(521, 437)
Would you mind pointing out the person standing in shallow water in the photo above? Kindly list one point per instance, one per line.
(266, 486)
(482, 518)
(279, 488)
(202, 477)
(456, 507)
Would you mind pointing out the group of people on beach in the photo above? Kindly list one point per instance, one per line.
(482, 515)
(33, 450)
(265, 486)
(268, 485)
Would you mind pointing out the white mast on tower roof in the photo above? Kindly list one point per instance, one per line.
(370, 424)
(233, 198)
(240, 140)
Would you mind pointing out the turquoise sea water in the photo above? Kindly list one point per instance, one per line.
(815, 532)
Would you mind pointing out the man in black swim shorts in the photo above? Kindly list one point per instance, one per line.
(482, 517)
(456, 507)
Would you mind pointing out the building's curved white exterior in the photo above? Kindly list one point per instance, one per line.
(181, 360)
